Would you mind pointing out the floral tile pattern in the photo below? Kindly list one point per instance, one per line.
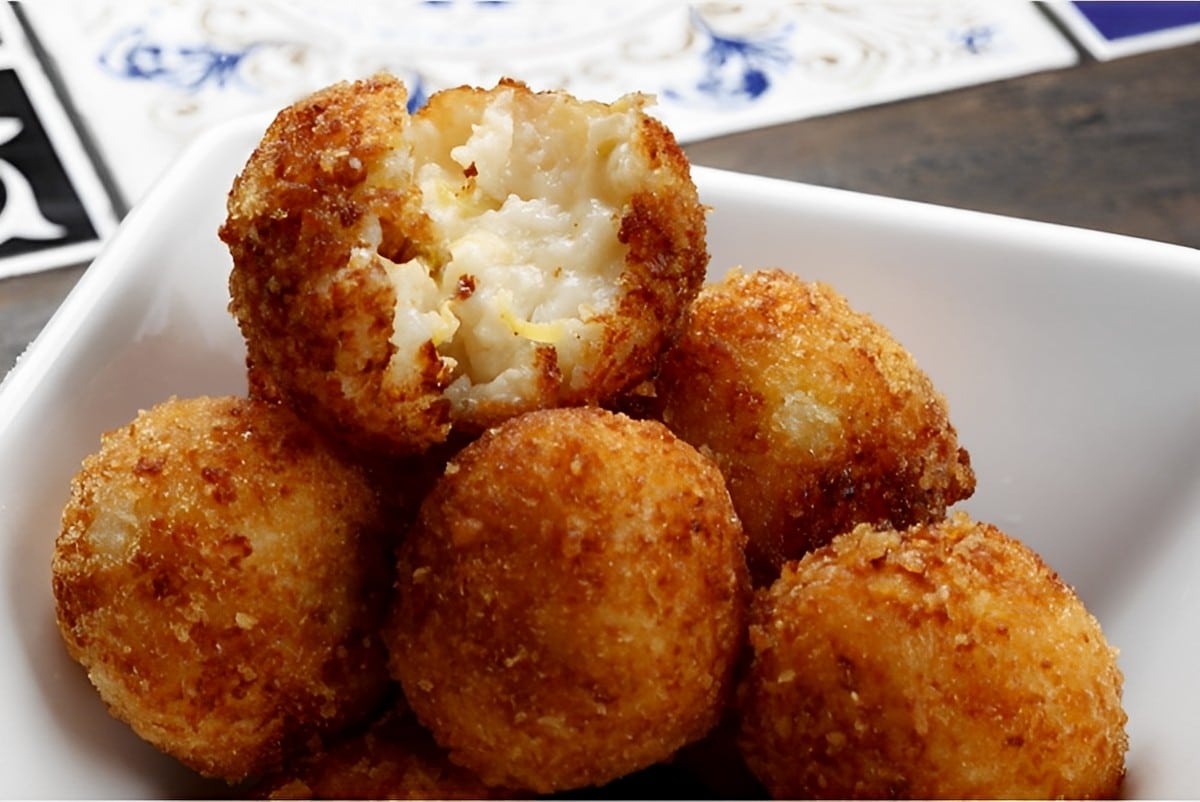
(147, 75)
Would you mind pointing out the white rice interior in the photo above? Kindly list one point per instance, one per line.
(528, 196)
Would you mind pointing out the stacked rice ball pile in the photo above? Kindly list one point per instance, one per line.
(518, 505)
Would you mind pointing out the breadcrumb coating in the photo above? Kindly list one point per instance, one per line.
(395, 758)
(571, 602)
(818, 418)
(427, 501)
(218, 574)
(942, 661)
(398, 276)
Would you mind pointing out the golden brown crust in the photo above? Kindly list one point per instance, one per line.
(312, 294)
(664, 229)
(317, 324)
(395, 758)
(818, 418)
(218, 575)
(944, 661)
(570, 602)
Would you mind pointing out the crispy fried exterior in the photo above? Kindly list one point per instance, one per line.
(218, 574)
(943, 661)
(818, 418)
(571, 602)
(395, 758)
(316, 330)
(343, 281)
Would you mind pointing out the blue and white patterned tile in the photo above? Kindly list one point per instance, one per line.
(148, 75)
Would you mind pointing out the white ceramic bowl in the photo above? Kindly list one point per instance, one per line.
(1069, 358)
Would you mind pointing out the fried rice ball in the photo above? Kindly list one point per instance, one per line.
(221, 575)
(398, 276)
(571, 601)
(943, 661)
(395, 758)
(817, 417)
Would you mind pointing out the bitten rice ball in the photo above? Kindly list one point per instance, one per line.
(398, 276)
(571, 601)
(221, 576)
(943, 661)
(817, 417)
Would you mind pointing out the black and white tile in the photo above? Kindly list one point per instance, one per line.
(54, 210)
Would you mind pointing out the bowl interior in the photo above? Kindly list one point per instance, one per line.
(1067, 358)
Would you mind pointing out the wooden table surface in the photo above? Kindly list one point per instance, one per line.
(1113, 146)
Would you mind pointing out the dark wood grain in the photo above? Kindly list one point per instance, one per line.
(1112, 145)
(26, 303)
